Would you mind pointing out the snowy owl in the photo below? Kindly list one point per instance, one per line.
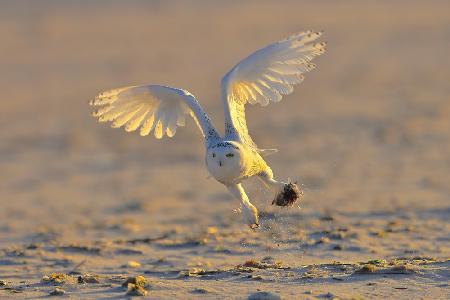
(262, 77)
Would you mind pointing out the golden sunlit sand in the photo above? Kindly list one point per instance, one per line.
(90, 212)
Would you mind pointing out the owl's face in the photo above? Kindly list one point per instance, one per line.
(224, 161)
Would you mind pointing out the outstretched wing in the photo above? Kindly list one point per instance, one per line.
(265, 76)
(151, 107)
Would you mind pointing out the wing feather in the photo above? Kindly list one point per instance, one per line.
(151, 107)
(124, 118)
(265, 76)
(148, 125)
(137, 120)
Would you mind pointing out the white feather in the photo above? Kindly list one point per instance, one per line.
(266, 75)
(150, 107)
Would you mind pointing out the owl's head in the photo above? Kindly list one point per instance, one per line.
(223, 156)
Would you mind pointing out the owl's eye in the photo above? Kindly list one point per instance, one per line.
(229, 155)
(214, 155)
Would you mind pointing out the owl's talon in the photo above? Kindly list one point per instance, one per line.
(254, 226)
(250, 215)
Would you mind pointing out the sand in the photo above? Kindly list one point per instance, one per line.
(84, 207)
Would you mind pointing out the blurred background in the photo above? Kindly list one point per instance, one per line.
(367, 131)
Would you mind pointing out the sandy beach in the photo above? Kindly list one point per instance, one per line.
(84, 207)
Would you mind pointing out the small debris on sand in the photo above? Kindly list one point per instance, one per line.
(147, 240)
(264, 296)
(133, 264)
(136, 290)
(2, 283)
(212, 230)
(88, 278)
(329, 296)
(198, 272)
(367, 269)
(378, 233)
(80, 248)
(402, 269)
(261, 265)
(313, 272)
(382, 267)
(338, 247)
(33, 246)
(188, 273)
(327, 217)
(377, 262)
(58, 278)
(323, 240)
(14, 290)
(129, 251)
(137, 280)
(199, 291)
(57, 292)
(136, 286)
(288, 195)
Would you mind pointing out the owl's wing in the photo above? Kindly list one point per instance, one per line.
(151, 107)
(265, 76)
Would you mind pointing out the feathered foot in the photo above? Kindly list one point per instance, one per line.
(249, 211)
(250, 214)
(289, 195)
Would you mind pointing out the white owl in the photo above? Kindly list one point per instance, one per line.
(262, 77)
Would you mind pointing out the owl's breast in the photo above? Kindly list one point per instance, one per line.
(229, 174)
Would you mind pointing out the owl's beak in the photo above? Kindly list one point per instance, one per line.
(220, 163)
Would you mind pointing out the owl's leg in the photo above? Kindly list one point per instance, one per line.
(267, 179)
(266, 176)
(249, 211)
(285, 193)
